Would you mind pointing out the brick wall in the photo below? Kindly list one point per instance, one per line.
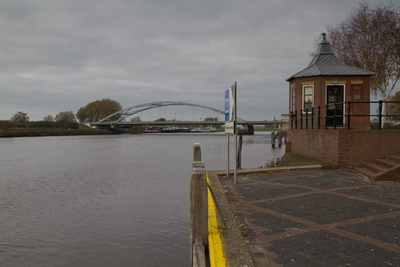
(342, 147)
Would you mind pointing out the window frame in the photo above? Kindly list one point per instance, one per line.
(293, 99)
(304, 97)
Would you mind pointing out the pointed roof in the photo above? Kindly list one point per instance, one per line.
(325, 62)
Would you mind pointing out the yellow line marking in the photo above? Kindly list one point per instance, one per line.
(217, 258)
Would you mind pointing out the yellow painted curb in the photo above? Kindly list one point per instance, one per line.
(217, 258)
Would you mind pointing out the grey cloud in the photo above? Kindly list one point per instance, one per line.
(61, 55)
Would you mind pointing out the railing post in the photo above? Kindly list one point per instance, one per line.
(312, 117)
(319, 116)
(291, 119)
(306, 118)
(348, 114)
(295, 120)
(334, 116)
(326, 116)
(301, 118)
(380, 114)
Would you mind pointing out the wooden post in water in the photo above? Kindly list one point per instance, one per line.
(273, 137)
(198, 203)
(196, 152)
(280, 138)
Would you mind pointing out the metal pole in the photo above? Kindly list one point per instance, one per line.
(380, 114)
(227, 170)
(236, 165)
(235, 175)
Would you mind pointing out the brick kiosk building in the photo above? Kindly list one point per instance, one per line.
(327, 80)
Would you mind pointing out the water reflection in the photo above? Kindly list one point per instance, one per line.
(105, 200)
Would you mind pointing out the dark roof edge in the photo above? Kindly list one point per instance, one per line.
(328, 75)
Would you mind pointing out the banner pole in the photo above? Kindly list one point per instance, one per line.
(227, 170)
(235, 117)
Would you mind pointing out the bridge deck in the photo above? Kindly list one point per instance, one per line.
(176, 123)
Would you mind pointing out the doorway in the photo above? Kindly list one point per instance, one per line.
(335, 95)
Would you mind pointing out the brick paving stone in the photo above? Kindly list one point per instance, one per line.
(380, 192)
(282, 175)
(262, 191)
(325, 208)
(272, 224)
(387, 230)
(341, 262)
(346, 251)
(297, 259)
(324, 182)
(378, 255)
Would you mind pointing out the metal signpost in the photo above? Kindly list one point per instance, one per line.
(230, 123)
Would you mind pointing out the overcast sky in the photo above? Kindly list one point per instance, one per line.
(61, 55)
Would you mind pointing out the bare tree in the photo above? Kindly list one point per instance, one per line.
(370, 39)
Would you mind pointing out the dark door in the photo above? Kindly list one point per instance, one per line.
(335, 95)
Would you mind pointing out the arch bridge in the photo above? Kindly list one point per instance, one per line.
(125, 113)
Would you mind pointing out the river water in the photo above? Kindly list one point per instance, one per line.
(115, 200)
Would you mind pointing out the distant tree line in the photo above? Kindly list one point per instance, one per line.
(93, 111)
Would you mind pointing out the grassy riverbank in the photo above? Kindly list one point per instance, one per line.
(81, 130)
(294, 159)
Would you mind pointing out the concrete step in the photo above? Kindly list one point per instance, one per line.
(387, 163)
(394, 158)
(366, 172)
(377, 168)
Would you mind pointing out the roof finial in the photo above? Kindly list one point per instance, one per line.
(324, 38)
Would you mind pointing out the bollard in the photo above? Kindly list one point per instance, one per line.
(273, 138)
(199, 254)
(280, 138)
(198, 209)
(198, 202)
(196, 152)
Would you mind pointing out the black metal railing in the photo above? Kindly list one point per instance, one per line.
(332, 117)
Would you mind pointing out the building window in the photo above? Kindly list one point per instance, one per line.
(293, 100)
(308, 97)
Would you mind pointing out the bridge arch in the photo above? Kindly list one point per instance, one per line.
(127, 112)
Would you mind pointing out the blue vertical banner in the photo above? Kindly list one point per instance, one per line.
(230, 103)
(227, 104)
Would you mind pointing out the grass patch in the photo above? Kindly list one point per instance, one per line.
(294, 159)
(52, 132)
